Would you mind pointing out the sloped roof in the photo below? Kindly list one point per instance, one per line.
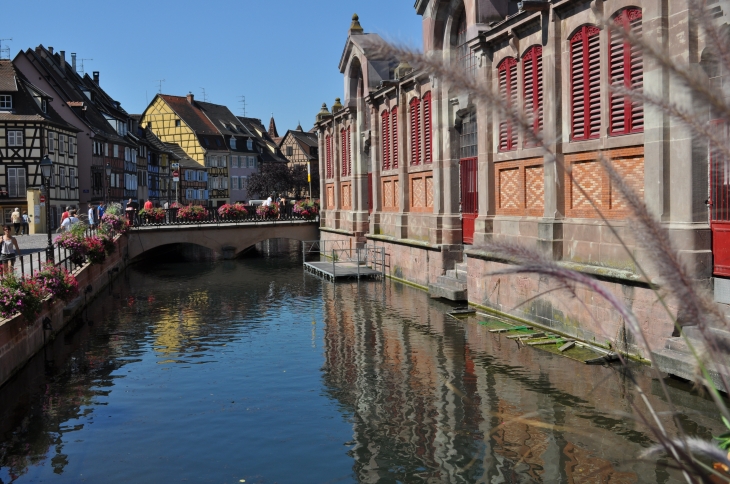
(25, 108)
(183, 158)
(191, 114)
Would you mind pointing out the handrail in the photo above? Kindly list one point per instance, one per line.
(212, 217)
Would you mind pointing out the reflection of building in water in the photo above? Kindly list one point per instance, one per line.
(435, 399)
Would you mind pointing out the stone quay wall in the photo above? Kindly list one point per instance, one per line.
(20, 339)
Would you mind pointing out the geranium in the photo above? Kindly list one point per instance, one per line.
(155, 215)
(74, 243)
(233, 211)
(22, 295)
(268, 211)
(192, 213)
(306, 209)
(108, 241)
(57, 282)
(114, 222)
(95, 249)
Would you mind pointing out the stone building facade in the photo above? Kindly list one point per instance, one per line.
(431, 173)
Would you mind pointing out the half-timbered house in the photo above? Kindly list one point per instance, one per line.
(193, 185)
(29, 129)
(301, 147)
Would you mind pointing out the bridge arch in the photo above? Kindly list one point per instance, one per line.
(225, 241)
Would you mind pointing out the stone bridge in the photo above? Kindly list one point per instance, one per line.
(227, 240)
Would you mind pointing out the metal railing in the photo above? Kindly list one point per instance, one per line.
(340, 252)
(212, 217)
(28, 264)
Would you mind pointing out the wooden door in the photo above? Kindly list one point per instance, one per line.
(469, 198)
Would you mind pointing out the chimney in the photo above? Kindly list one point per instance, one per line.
(96, 77)
(73, 61)
(50, 49)
(63, 60)
(190, 97)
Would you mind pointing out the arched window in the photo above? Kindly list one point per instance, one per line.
(627, 70)
(394, 135)
(533, 89)
(385, 138)
(427, 136)
(415, 131)
(507, 70)
(467, 59)
(328, 158)
(585, 79)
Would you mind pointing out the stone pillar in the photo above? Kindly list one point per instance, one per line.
(376, 166)
(484, 224)
(550, 228)
(688, 180)
(403, 188)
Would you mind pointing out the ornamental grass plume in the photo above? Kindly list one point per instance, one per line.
(669, 278)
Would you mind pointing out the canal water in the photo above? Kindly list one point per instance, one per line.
(253, 371)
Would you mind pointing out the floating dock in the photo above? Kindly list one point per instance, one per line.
(342, 270)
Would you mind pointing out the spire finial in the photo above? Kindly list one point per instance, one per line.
(355, 27)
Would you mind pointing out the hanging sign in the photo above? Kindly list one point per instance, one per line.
(176, 176)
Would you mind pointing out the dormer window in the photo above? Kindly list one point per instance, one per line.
(44, 106)
(249, 145)
(177, 123)
(6, 101)
(218, 141)
(233, 143)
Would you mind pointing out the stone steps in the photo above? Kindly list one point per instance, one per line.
(676, 359)
(452, 286)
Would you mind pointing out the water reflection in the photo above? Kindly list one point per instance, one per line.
(436, 399)
(251, 369)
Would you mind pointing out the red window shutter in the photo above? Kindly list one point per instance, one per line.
(627, 70)
(585, 89)
(508, 91)
(343, 151)
(328, 147)
(415, 131)
(394, 127)
(533, 89)
(427, 140)
(385, 138)
(349, 152)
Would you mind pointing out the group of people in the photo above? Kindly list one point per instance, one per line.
(20, 221)
(280, 201)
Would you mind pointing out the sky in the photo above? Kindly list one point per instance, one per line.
(281, 55)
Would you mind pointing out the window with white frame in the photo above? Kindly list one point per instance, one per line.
(6, 101)
(62, 176)
(224, 183)
(16, 182)
(15, 138)
(116, 151)
(51, 142)
(72, 178)
(71, 146)
(249, 145)
(214, 161)
(106, 149)
(233, 143)
(62, 143)
(224, 160)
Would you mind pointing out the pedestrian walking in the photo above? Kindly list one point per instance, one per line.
(92, 218)
(26, 223)
(65, 214)
(69, 221)
(16, 219)
(100, 211)
(9, 250)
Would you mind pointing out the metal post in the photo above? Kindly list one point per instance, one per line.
(49, 247)
(333, 264)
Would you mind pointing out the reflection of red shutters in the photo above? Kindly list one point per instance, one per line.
(427, 140)
(415, 131)
(328, 147)
(585, 89)
(394, 142)
(385, 139)
(508, 92)
(533, 88)
(627, 70)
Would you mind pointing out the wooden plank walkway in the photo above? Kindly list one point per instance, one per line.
(342, 270)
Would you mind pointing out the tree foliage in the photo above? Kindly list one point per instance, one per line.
(276, 178)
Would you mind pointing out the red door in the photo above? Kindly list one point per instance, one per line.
(469, 198)
(720, 206)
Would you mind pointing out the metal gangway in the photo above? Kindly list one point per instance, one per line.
(337, 260)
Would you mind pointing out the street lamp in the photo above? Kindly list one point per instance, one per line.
(108, 170)
(47, 173)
